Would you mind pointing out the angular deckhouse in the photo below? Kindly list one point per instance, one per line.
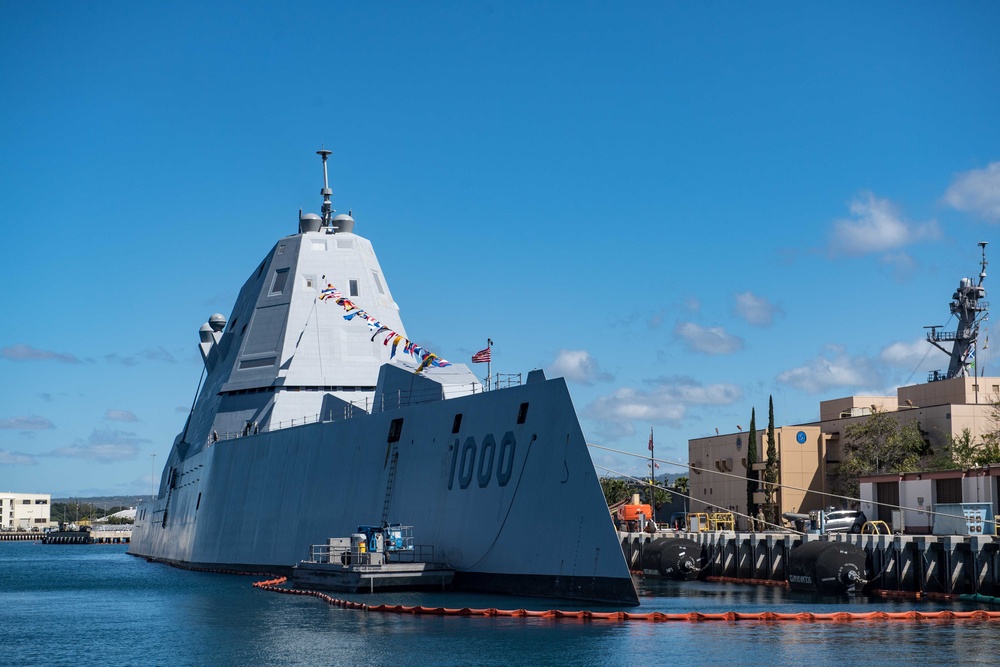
(317, 414)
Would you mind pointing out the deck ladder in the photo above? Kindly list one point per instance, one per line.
(389, 483)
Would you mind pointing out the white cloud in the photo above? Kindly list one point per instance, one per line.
(103, 447)
(876, 226)
(28, 353)
(977, 191)
(16, 459)
(917, 354)
(832, 371)
(665, 403)
(756, 310)
(708, 340)
(578, 366)
(151, 354)
(26, 423)
(121, 416)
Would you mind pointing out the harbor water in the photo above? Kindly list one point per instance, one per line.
(86, 605)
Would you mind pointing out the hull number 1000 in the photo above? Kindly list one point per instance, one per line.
(484, 463)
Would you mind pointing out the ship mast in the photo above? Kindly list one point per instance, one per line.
(968, 304)
(326, 191)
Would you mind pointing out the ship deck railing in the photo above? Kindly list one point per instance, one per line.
(400, 399)
(340, 555)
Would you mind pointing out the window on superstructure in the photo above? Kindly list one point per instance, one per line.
(278, 284)
(354, 288)
(522, 413)
(378, 283)
(457, 424)
(395, 429)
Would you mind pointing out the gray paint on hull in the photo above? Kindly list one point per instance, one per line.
(266, 498)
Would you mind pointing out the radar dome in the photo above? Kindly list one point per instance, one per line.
(343, 223)
(310, 222)
(217, 322)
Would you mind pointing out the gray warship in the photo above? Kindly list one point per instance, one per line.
(316, 413)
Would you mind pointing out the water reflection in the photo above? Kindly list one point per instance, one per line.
(122, 610)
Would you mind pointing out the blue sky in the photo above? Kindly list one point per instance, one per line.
(682, 208)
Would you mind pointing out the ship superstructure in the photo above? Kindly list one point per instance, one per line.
(317, 413)
(969, 306)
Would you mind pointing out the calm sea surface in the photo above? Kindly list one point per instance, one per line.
(85, 605)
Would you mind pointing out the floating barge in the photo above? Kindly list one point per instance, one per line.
(372, 559)
(68, 535)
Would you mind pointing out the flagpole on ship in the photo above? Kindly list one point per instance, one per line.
(652, 477)
(485, 355)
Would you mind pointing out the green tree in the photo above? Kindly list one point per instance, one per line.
(753, 476)
(878, 445)
(964, 452)
(616, 489)
(956, 453)
(682, 484)
(988, 451)
(660, 497)
(771, 469)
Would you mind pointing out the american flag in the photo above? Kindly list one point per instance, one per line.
(651, 440)
(481, 357)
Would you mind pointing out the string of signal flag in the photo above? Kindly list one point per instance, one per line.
(426, 357)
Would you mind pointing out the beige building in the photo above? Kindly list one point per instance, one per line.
(919, 496)
(809, 454)
(25, 511)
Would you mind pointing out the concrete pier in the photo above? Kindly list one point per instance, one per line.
(112, 535)
(19, 536)
(951, 564)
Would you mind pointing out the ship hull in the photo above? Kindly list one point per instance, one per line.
(505, 493)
